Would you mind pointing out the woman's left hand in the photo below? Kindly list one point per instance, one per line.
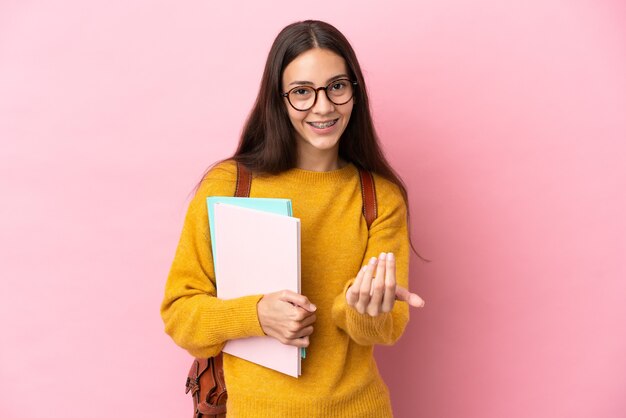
(374, 290)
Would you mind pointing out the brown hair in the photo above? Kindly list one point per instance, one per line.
(268, 144)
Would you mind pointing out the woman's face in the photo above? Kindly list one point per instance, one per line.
(318, 129)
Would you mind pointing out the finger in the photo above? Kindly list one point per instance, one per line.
(366, 285)
(296, 342)
(298, 314)
(304, 332)
(390, 283)
(297, 299)
(352, 295)
(380, 270)
(295, 330)
(411, 298)
(309, 320)
(378, 287)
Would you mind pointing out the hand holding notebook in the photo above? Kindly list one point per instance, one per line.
(288, 317)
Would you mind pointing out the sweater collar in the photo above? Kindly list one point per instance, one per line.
(321, 177)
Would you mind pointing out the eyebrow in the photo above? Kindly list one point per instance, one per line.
(311, 83)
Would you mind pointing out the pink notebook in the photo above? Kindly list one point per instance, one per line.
(257, 252)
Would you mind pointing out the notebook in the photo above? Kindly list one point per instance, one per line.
(257, 252)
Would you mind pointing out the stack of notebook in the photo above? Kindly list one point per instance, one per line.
(256, 250)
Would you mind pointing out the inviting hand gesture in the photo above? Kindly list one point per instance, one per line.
(374, 290)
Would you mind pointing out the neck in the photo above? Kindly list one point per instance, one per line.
(328, 162)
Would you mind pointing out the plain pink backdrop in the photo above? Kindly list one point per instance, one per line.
(507, 121)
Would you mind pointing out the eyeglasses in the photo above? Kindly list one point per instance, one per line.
(338, 92)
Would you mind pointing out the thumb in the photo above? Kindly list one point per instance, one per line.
(411, 298)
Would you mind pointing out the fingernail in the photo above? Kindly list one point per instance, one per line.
(313, 307)
(389, 256)
(382, 256)
(373, 260)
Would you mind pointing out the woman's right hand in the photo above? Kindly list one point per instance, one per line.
(287, 316)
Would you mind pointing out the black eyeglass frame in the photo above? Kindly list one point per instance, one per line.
(316, 90)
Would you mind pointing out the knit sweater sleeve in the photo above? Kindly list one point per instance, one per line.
(194, 317)
(388, 233)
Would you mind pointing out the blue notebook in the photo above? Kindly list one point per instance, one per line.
(277, 206)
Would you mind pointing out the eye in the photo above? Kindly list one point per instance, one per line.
(300, 91)
(339, 85)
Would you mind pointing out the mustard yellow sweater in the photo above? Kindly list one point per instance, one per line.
(339, 375)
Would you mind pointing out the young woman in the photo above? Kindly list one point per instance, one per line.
(307, 135)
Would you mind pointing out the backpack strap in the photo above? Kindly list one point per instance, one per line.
(368, 190)
(244, 181)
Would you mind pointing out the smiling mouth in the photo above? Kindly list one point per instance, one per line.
(323, 125)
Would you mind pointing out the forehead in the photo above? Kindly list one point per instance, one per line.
(316, 65)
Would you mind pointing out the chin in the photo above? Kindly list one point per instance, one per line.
(321, 143)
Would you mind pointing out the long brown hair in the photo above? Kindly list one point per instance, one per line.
(268, 144)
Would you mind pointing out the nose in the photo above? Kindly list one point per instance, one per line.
(322, 104)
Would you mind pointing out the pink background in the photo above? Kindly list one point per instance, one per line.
(507, 121)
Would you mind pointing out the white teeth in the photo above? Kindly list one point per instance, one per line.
(322, 125)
